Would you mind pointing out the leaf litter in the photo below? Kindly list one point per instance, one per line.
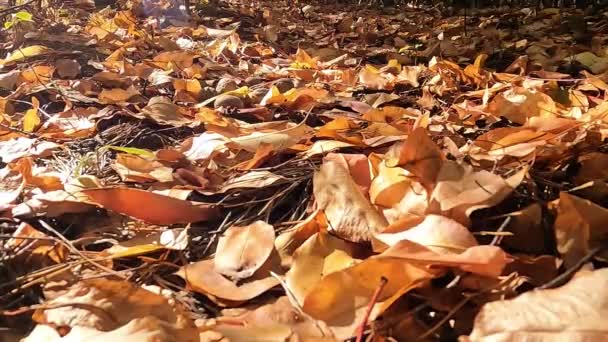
(273, 171)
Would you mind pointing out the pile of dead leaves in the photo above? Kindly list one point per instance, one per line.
(260, 172)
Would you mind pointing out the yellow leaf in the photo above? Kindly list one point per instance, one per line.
(31, 120)
(23, 53)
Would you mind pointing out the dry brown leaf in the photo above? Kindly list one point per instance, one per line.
(279, 140)
(508, 141)
(349, 214)
(372, 78)
(73, 123)
(158, 209)
(389, 186)
(162, 110)
(275, 316)
(341, 298)
(11, 185)
(97, 309)
(134, 168)
(146, 242)
(288, 241)
(580, 226)
(419, 155)
(438, 233)
(68, 68)
(485, 260)
(243, 250)
(462, 188)
(341, 129)
(519, 104)
(573, 312)
(118, 95)
(13, 149)
(309, 261)
(202, 277)
(358, 166)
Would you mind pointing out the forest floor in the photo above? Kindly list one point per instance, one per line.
(277, 171)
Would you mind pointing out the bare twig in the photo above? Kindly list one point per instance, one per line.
(370, 307)
(16, 8)
(564, 277)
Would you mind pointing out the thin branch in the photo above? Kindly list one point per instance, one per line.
(15, 8)
(565, 277)
(370, 307)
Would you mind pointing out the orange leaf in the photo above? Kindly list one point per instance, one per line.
(419, 155)
(149, 206)
(202, 277)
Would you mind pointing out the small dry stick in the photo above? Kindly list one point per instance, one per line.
(370, 307)
(567, 275)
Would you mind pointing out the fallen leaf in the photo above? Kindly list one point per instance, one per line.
(173, 239)
(13, 149)
(389, 186)
(459, 185)
(23, 53)
(309, 261)
(11, 185)
(579, 227)
(279, 140)
(31, 120)
(419, 155)
(438, 233)
(202, 277)
(160, 109)
(573, 312)
(341, 298)
(118, 95)
(484, 260)
(68, 68)
(243, 250)
(519, 104)
(159, 209)
(115, 308)
(133, 168)
(349, 214)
